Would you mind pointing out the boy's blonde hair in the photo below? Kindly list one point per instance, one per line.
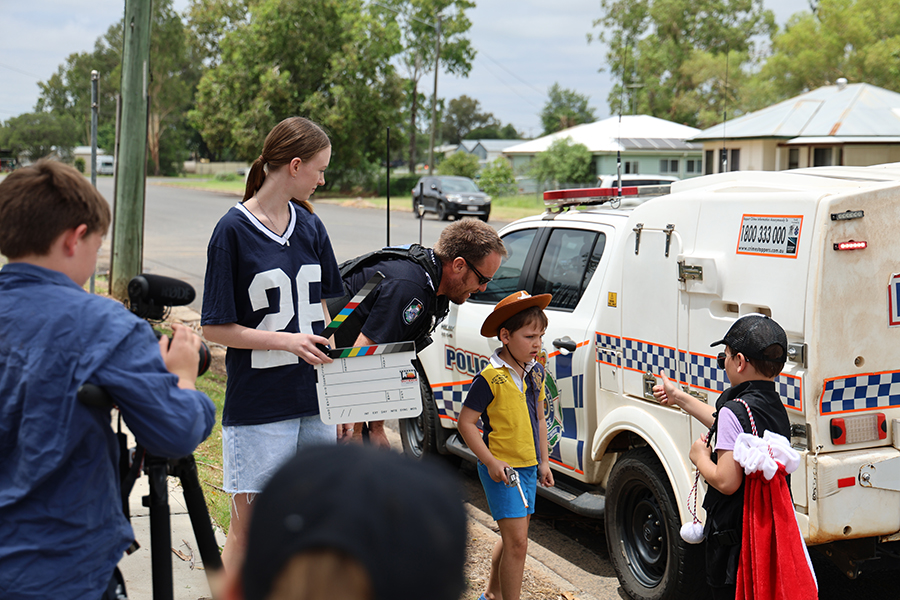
(40, 202)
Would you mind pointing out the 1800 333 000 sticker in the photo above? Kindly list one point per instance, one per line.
(770, 235)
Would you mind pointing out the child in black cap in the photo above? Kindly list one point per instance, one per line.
(755, 353)
(352, 522)
(508, 397)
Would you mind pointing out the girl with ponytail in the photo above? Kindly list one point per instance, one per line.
(270, 267)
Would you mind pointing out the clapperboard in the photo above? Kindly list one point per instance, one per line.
(367, 383)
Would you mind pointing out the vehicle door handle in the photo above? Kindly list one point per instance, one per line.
(565, 343)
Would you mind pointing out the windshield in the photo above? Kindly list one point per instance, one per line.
(458, 185)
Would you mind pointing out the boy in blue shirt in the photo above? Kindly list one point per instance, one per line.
(62, 529)
(508, 397)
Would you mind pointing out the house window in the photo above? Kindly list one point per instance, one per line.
(664, 166)
(673, 166)
(710, 161)
(735, 160)
(794, 158)
(689, 166)
(822, 157)
(631, 167)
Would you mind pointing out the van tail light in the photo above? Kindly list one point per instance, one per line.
(851, 245)
(863, 428)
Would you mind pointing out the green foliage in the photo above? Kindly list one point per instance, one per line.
(564, 109)
(328, 60)
(80, 164)
(174, 71)
(226, 176)
(494, 132)
(37, 134)
(414, 21)
(459, 163)
(652, 46)
(401, 185)
(462, 116)
(498, 178)
(858, 40)
(563, 162)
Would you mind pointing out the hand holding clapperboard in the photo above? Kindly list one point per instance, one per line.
(367, 383)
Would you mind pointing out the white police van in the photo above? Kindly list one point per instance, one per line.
(643, 291)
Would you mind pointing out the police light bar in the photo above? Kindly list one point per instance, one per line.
(862, 428)
(851, 245)
(595, 196)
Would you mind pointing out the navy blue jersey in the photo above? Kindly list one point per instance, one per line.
(401, 301)
(262, 280)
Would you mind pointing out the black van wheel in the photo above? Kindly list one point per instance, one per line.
(643, 533)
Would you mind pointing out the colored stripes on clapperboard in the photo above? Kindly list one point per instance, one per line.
(339, 318)
(392, 348)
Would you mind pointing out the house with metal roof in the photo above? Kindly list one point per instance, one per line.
(843, 124)
(648, 145)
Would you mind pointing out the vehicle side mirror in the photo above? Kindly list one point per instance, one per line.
(434, 187)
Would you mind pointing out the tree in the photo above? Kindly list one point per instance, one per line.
(858, 40)
(174, 72)
(68, 91)
(564, 109)
(418, 38)
(650, 46)
(563, 162)
(459, 163)
(37, 134)
(462, 116)
(328, 60)
(494, 132)
(497, 178)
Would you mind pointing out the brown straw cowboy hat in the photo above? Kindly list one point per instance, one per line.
(509, 306)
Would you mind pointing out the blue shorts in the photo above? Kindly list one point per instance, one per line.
(505, 502)
(252, 453)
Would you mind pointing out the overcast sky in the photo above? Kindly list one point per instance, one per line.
(524, 46)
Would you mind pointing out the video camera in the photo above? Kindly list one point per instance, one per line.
(150, 297)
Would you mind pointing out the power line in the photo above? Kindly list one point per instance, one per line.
(20, 71)
(502, 66)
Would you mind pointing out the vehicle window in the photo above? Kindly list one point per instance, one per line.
(506, 279)
(569, 261)
(459, 185)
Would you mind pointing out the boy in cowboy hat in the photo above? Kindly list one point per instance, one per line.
(508, 397)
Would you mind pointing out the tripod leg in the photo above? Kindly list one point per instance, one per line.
(160, 527)
(186, 469)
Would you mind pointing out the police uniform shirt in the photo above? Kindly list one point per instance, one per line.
(402, 303)
(272, 282)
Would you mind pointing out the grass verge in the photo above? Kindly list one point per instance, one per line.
(503, 208)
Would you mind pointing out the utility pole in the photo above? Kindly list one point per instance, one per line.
(95, 111)
(437, 65)
(128, 223)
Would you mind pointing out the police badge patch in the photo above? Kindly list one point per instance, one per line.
(412, 311)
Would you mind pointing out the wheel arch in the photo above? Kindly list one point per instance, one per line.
(627, 427)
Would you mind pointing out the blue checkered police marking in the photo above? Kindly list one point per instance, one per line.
(790, 389)
(861, 392)
(608, 347)
(700, 370)
(703, 373)
(449, 398)
(643, 357)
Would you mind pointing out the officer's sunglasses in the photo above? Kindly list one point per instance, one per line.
(720, 360)
(482, 280)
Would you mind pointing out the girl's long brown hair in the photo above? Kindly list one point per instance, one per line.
(295, 137)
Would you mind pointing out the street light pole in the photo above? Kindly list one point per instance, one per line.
(437, 65)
